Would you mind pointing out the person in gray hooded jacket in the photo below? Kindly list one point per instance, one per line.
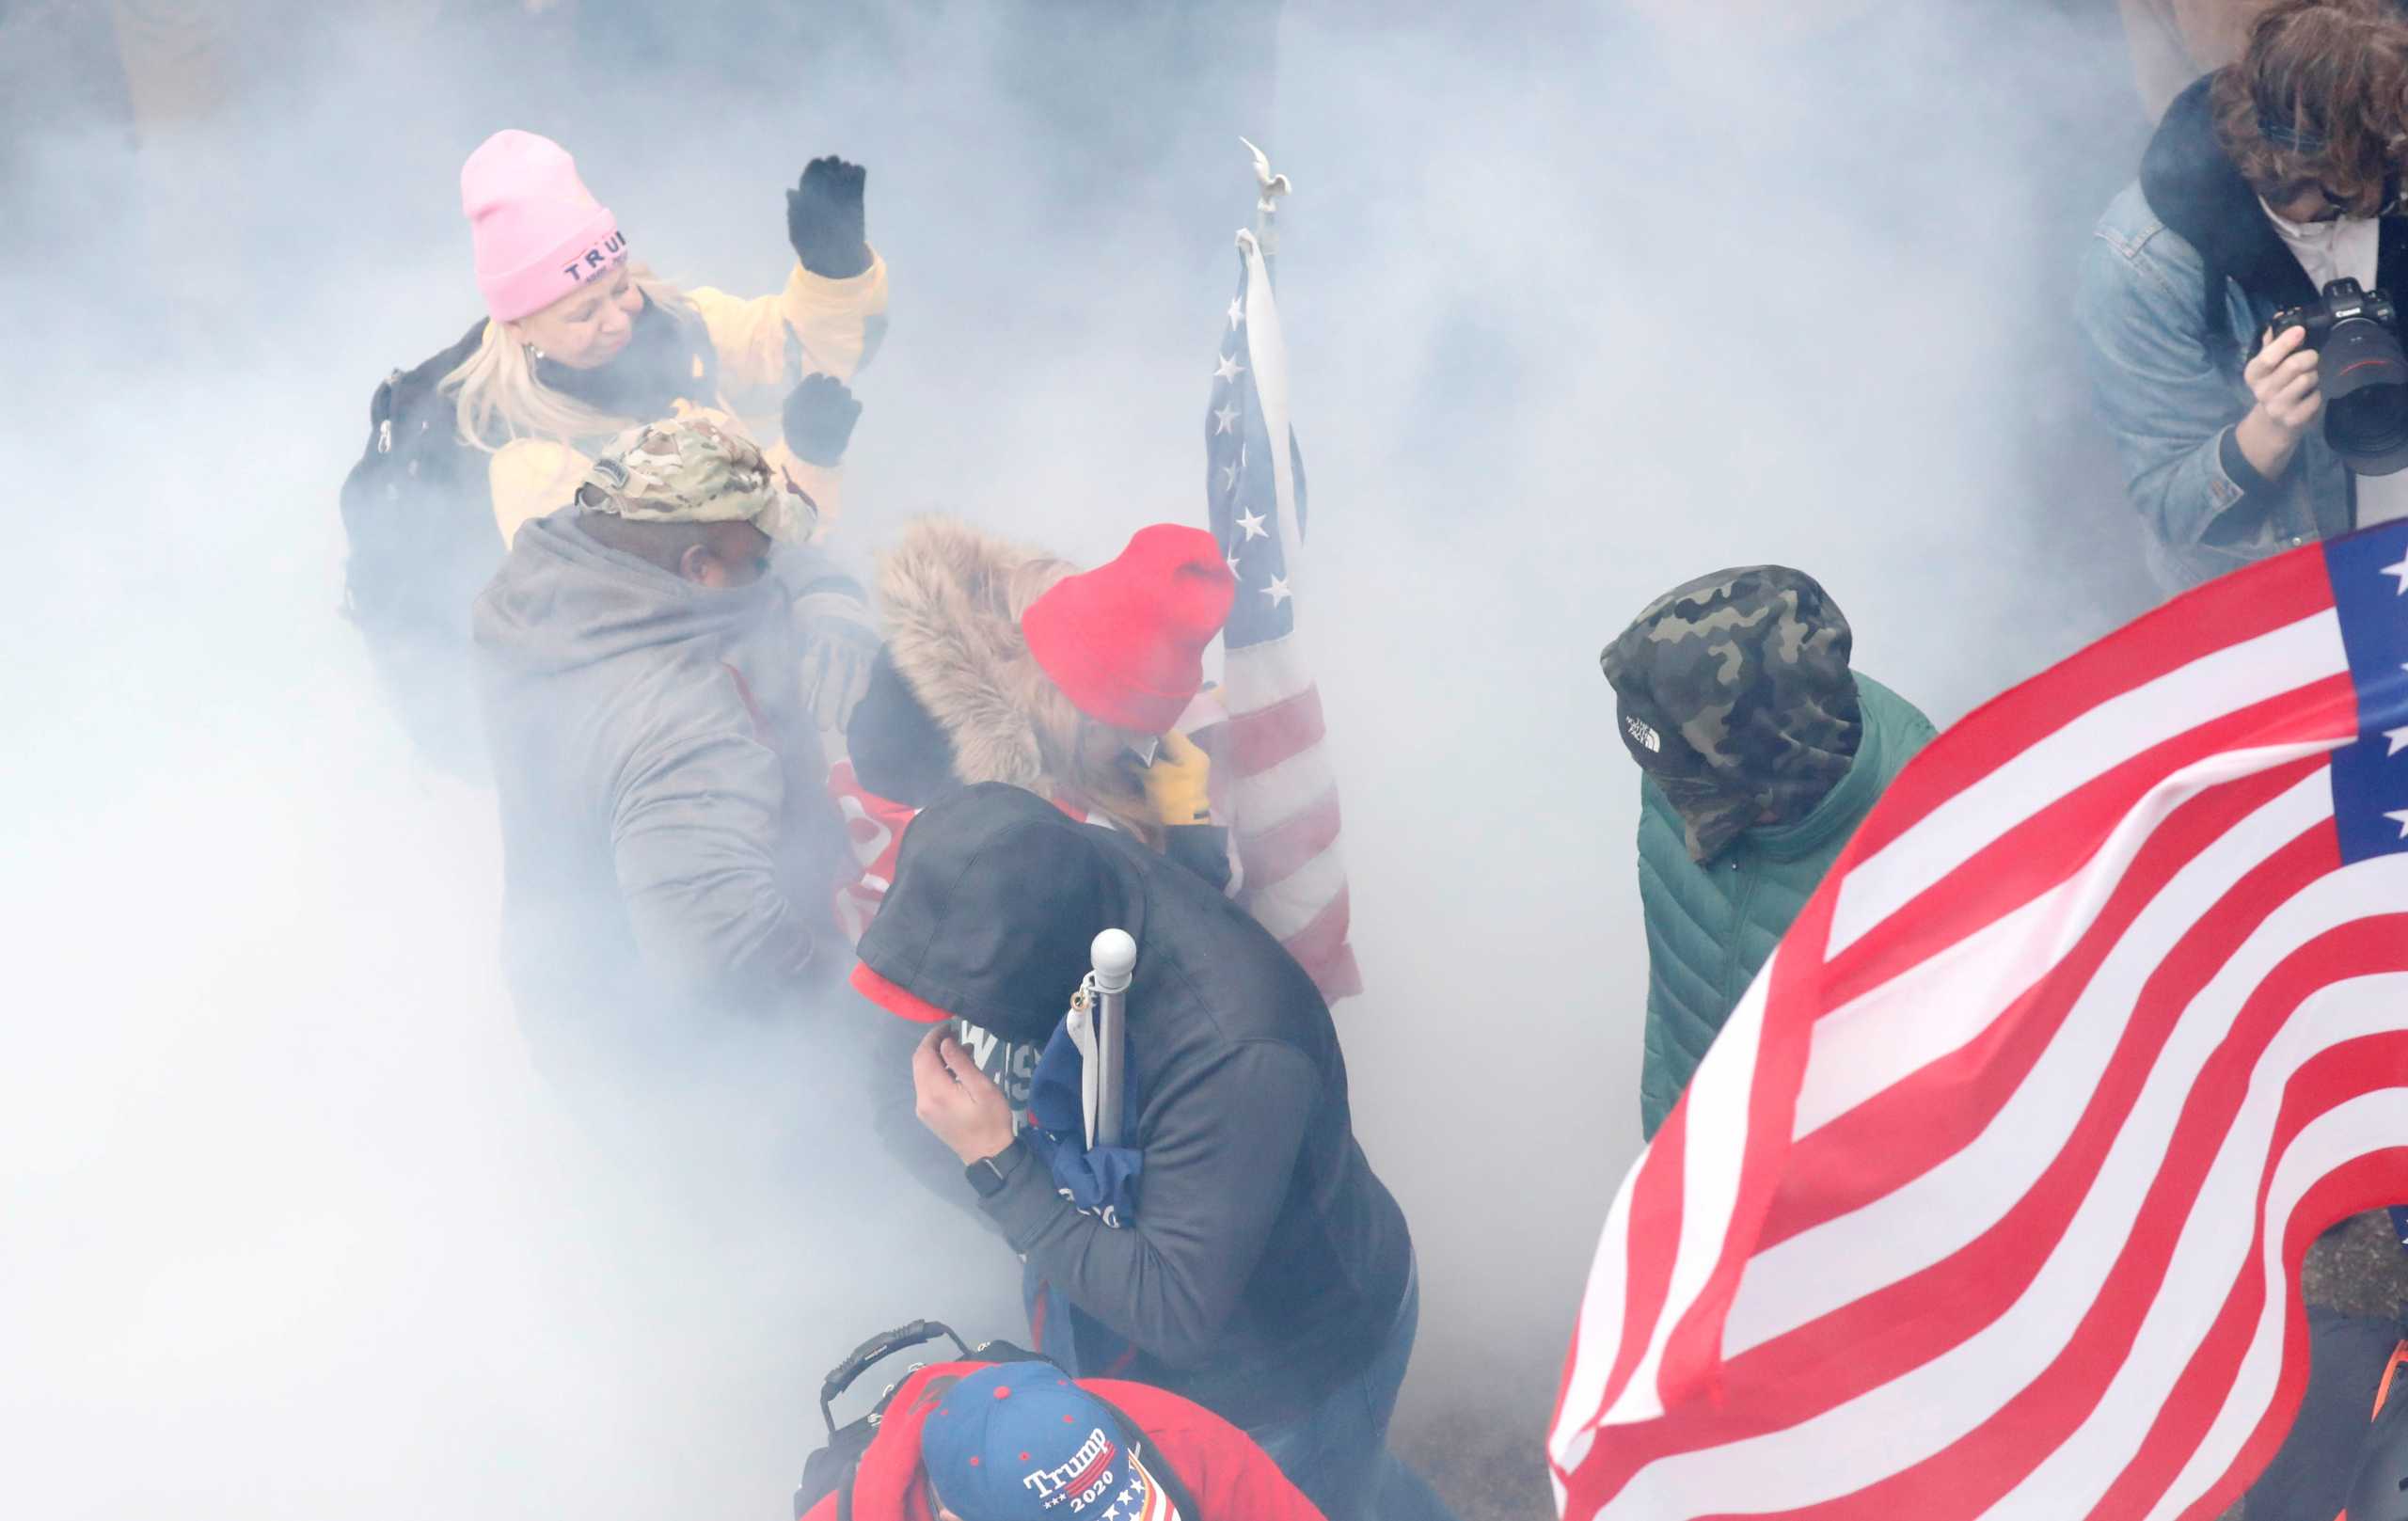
(668, 846)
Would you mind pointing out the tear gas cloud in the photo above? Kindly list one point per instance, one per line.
(1580, 303)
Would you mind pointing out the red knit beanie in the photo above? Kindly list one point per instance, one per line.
(1125, 640)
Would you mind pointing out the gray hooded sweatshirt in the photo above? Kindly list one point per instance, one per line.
(669, 843)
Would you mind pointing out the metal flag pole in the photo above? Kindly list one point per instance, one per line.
(1115, 956)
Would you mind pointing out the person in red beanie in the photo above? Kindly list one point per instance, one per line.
(1003, 664)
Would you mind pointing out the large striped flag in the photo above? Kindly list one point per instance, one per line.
(1277, 792)
(1991, 1199)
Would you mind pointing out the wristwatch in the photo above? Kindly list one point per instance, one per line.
(989, 1175)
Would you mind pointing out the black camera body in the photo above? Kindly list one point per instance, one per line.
(2344, 301)
(2361, 372)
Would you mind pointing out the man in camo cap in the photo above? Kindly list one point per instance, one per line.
(668, 849)
(1760, 751)
(701, 473)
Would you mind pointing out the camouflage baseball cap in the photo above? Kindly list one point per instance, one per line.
(697, 468)
(1733, 692)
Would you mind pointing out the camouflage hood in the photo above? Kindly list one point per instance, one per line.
(1734, 692)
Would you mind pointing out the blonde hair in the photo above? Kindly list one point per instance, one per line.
(1064, 748)
(498, 397)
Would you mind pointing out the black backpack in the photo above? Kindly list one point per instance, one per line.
(419, 520)
(831, 1470)
(415, 509)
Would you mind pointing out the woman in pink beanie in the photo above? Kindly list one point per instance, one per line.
(579, 341)
(582, 341)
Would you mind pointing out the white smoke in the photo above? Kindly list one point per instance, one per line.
(1579, 305)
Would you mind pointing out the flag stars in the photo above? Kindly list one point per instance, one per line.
(1229, 368)
(1237, 313)
(2400, 818)
(1233, 568)
(2398, 738)
(2399, 570)
(1225, 418)
(1228, 478)
(1252, 523)
(1277, 591)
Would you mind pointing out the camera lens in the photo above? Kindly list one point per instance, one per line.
(2365, 380)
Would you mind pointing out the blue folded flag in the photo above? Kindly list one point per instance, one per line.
(1101, 1180)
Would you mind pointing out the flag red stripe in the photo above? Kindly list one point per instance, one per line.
(2335, 1077)
(1267, 735)
(1978, 1468)
(1693, 1355)
(1878, 1337)
(1280, 851)
(1336, 974)
(2023, 862)
(2048, 1410)
(2225, 611)
(1973, 1473)
(1854, 1159)
(1324, 934)
(1654, 1234)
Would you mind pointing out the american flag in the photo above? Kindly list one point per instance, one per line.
(1276, 789)
(1990, 1198)
(1142, 1500)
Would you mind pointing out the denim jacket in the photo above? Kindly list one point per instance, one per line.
(2171, 392)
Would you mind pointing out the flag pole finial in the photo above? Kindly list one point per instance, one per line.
(1266, 206)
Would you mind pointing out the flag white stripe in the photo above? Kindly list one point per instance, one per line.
(1925, 1410)
(1598, 1340)
(1276, 794)
(1961, 1196)
(2103, 737)
(2210, 1256)
(1288, 905)
(1865, 1046)
(1255, 676)
(1714, 1140)
(2370, 1122)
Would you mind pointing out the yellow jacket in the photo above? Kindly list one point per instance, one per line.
(835, 322)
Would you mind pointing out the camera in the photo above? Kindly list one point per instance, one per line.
(2361, 372)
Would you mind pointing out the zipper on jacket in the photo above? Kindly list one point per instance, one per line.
(1732, 948)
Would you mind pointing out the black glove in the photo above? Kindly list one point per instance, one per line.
(824, 219)
(819, 419)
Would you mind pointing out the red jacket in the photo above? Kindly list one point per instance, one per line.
(1231, 1478)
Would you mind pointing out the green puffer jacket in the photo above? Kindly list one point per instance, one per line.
(1711, 926)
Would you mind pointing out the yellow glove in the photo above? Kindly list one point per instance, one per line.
(1177, 784)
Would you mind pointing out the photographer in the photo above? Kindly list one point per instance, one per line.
(2267, 180)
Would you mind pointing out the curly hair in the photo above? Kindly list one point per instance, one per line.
(2319, 98)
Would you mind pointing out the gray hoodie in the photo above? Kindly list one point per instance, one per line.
(669, 845)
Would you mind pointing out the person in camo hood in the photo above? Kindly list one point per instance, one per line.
(668, 848)
(1760, 751)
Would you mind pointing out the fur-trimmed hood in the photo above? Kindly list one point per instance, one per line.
(945, 592)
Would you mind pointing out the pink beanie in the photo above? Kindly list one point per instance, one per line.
(538, 233)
